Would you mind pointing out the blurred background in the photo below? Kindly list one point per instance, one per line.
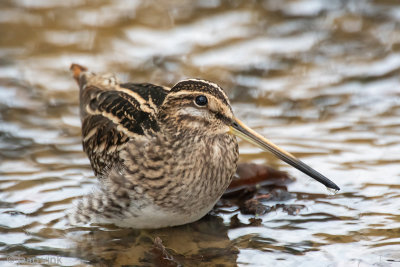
(319, 78)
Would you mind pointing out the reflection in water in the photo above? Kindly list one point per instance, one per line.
(319, 78)
(204, 242)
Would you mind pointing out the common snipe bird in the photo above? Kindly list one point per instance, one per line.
(163, 156)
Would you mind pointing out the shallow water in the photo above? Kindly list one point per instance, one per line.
(319, 78)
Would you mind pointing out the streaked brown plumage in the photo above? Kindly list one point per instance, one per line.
(151, 150)
(163, 156)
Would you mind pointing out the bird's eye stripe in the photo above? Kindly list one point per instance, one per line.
(194, 85)
(222, 117)
(181, 98)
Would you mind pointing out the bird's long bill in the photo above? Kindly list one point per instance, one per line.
(239, 129)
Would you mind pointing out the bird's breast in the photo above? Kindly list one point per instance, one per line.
(203, 171)
(184, 174)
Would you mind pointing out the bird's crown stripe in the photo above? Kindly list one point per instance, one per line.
(214, 85)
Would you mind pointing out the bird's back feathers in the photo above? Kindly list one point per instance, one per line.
(113, 113)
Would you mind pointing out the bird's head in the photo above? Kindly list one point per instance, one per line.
(198, 106)
(202, 108)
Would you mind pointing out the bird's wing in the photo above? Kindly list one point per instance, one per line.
(112, 114)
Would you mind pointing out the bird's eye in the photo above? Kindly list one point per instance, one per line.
(201, 100)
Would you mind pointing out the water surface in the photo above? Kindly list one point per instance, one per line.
(319, 78)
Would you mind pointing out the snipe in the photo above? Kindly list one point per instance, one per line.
(163, 156)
